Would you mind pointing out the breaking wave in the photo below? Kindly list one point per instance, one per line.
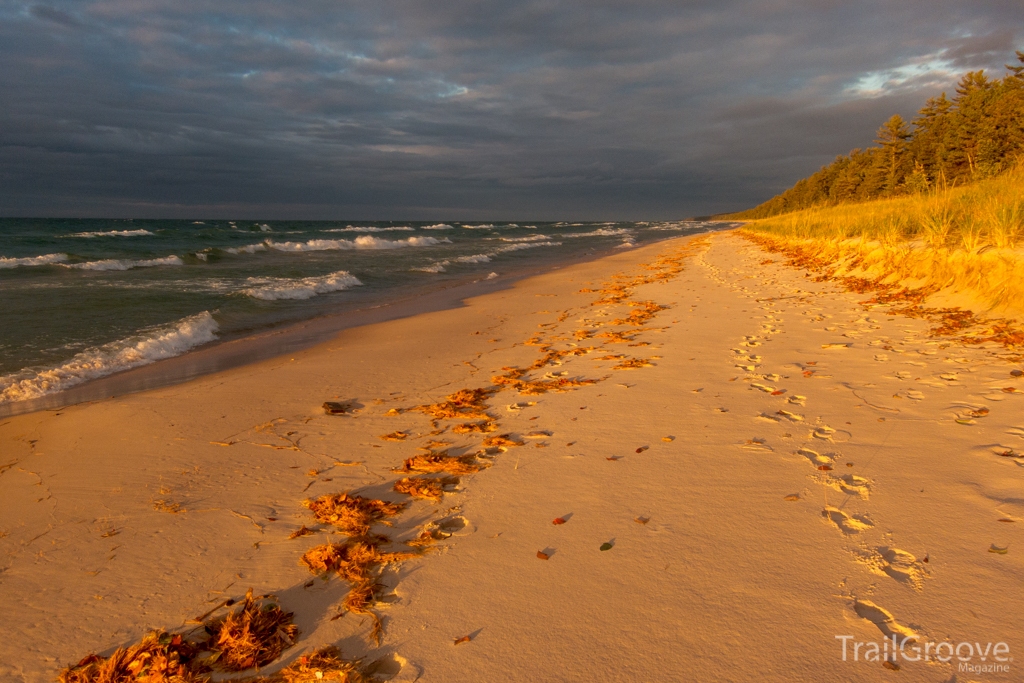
(363, 242)
(438, 226)
(111, 233)
(44, 260)
(355, 228)
(600, 232)
(275, 288)
(528, 238)
(146, 347)
(126, 264)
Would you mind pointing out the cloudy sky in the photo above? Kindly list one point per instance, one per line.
(455, 109)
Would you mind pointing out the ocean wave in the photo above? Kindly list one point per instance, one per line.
(432, 268)
(439, 266)
(526, 245)
(44, 260)
(600, 232)
(247, 249)
(356, 228)
(148, 346)
(528, 238)
(275, 288)
(478, 227)
(438, 226)
(126, 264)
(111, 233)
(363, 242)
(626, 243)
(475, 258)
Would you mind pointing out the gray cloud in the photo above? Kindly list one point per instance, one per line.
(412, 109)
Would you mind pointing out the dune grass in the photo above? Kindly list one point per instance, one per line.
(965, 240)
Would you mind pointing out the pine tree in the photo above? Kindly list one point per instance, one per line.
(893, 136)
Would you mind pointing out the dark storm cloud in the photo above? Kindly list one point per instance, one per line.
(458, 109)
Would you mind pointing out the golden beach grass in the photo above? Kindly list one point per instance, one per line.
(963, 239)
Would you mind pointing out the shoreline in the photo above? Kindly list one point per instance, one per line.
(734, 451)
(279, 340)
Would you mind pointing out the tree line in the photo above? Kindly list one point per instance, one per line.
(976, 134)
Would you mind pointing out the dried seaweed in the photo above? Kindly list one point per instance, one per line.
(254, 635)
(324, 665)
(464, 404)
(441, 462)
(475, 427)
(159, 657)
(351, 514)
(502, 441)
(429, 488)
(357, 561)
(394, 436)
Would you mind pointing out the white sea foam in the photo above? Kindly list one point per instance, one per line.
(600, 232)
(438, 226)
(44, 260)
(526, 245)
(126, 264)
(274, 288)
(362, 242)
(111, 233)
(626, 243)
(358, 228)
(528, 238)
(432, 268)
(478, 227)
(475, 258)
(439, 266)
(247, 249)
(491, 276)
(265, 228)
(148, 346)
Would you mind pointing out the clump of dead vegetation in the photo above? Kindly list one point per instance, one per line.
(394, 436)
(475, 427)
(251, 636)
(643, 312)
(428, 488)
(352, 514)
(441, 462)
(514, 379)
(358, 561)
(324, 665)
(466, 404)
(632, 364)
(502, 441)
(159, 657)
(254, 635)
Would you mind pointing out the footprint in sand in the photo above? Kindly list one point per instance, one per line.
(883, 619)
(897, 564)
(452, 525)
(798, 400)
(844, 522)
(850, 484)
(817, 459)
(826, 433)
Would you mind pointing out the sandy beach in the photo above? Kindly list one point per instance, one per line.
(712, 468)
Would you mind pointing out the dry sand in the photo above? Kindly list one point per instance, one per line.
(788, 467)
